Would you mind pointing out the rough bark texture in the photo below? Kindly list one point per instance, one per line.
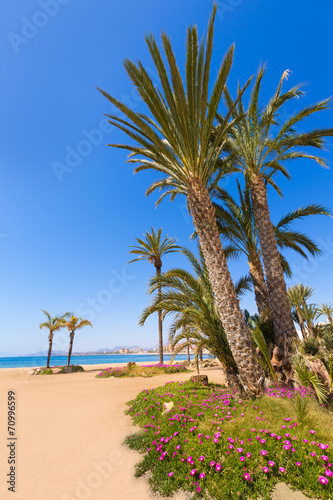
(203, 214)
(188, 353)
(160, 320)
(259, 286)
(71, 336)
(50, 350)
(284, 329)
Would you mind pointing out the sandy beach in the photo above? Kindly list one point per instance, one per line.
(70, 430)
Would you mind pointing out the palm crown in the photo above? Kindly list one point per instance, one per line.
(152, 247)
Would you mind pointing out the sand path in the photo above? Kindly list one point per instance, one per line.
(70, 430)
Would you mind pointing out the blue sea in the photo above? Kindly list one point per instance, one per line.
(35, 361)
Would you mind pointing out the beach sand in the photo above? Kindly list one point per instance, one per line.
(70, 429)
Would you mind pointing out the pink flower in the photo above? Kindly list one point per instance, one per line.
(170, 474)
(212, 463)
(263, 453)
(314, 432)
(282, 470)
(201, 458)
(248, 455)
(322, 479)
(324, 457)
(262, 441)
(313, 454)
(202, 475)
(271, 464)
(246, 476)
(193, 471)
(198, 489)
(218, 467)
(265, 469)
(230, 447)
(298, 464)
(242, 459)
(240, 450)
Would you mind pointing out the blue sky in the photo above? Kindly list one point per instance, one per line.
(65, 237)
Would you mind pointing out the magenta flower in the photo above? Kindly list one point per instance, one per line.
(324, 457)
(193, 471)
(242, 459)
(198, 489)
(262, 441)
(263, 453)
(212, 463)
(248, 455)
(314, 432)
(170, 474)
(298, 464)
(202, 475)
(322, 479)
(282, 470)
(201, 458)
(313, 454)
(265, 469)
(271, 464)
(218, 467)
(246, 476)
(230, 447)
(240, 450)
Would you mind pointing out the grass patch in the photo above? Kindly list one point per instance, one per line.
(204, 440)
(141, 371)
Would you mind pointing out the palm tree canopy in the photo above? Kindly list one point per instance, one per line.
(326, 309)
(153, 247)
(175, 139)
(54, 324)
(299, 294)
(75, 323)
(261, 144)
(236, 223)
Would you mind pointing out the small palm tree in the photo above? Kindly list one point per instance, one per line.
(237, 226)
(175, 141)
(260, 145)
(74, 324)
(327, 309)
(298, 295)
(189, 297)
(152, 248)
(53, 325)
(310, 313)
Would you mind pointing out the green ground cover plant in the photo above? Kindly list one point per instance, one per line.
(204, 439)
(141, 370)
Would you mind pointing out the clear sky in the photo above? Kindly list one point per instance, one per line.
(65, 235)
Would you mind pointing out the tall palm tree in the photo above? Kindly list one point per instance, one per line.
(175, 141)
(74, 324)
(261, 145)
(152, 248)
(298, 295)
(237, 226)
(189, 297)
(310, 313)
(327, 309)
(53, 325)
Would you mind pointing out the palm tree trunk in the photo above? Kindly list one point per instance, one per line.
(71, 337)
(260, 288)
(284, 329)
(203, 214)
(301, 322)
(188, 352)
(50, 350)
(160, 321)
(201, 355)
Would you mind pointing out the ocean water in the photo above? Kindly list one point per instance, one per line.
(96, 359)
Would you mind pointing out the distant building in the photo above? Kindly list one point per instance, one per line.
(124, 351)
(136, 349)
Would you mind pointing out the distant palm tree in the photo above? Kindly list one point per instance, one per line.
(261, 145)
(298, 295)
(237, 225)
(152, 248)
(74, 324)
(327, 309)
(189, 297)
(53, 325)
(175, 141)
(310, 313)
